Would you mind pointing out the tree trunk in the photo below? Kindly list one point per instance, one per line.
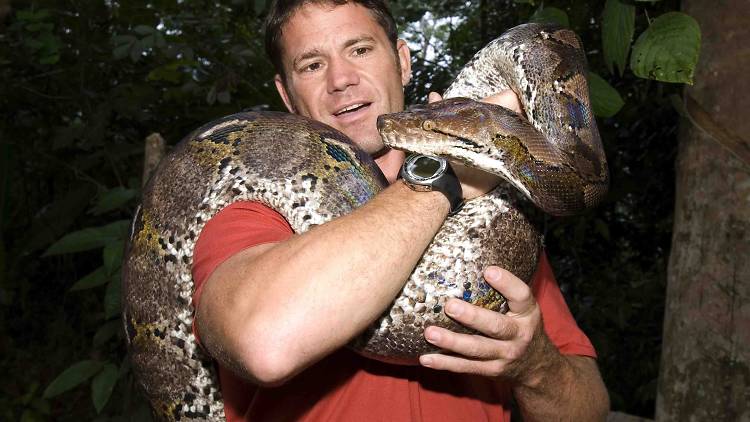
(705, 363)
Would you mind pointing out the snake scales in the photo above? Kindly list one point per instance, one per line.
(311, 173)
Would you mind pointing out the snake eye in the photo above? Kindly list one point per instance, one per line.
(428, 125)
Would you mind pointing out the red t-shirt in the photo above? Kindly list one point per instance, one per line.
(347, 387)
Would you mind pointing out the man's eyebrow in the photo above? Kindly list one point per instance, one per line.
(358, 39)
(309, 54)
(316, 52)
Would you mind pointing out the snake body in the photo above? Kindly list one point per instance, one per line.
(311, 174)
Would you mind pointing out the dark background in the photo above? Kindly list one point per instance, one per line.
(84, 82)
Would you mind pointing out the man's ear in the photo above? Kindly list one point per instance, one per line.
(283, 93)
(404, 59)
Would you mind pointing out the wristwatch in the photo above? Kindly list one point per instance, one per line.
(425, 173)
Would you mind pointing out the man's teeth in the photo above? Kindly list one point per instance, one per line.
(350, 108)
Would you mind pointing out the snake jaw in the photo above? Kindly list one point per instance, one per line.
(452, 128)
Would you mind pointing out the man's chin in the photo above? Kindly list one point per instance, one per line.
(373, 147)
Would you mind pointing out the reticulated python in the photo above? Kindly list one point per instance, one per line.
(311, 174)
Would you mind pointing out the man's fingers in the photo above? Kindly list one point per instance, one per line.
(520, 299)
(489, 323)
(507, 99)
(434, 97)
(458, 364)
(467, 345)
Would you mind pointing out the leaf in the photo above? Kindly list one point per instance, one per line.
(89, 238)
(148, 41)
(123, 39)
(40, 27)
(112, 298)
(668, 50)
(113, 199)
(618, 25)
(56, 219)
(50, 59)
(102, 386)
(171, 72)
(25, 15)
(76, 374)
(106, 332)
(159, 40)
(143, 29)
(93, 279)
(605, 100)
(550, 15)
(602, 228)
(112, 256)
(121, 51)
(136, 50)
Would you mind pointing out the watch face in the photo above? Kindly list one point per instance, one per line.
(424, 167)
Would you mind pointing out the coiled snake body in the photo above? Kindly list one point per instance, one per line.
(311, 173)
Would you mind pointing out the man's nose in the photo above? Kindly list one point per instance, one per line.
(341, 75)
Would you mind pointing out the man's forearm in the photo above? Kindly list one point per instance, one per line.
(300, 299)
(566, 388)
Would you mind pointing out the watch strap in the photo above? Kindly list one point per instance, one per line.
(446, 183)
(450, 186)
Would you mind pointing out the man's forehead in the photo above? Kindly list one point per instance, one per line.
(347, 24)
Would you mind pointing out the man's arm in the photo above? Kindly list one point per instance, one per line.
(272, 310)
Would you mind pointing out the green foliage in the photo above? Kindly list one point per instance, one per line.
(75, 375)
(668, 50)
(91, 80)
(40, 39)
(113, 199)
(618, 25)
(102, 386)
(605, 99)
(91, 280)
(89, 238)
(550, 15)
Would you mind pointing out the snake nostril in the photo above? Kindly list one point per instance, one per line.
(384, 123)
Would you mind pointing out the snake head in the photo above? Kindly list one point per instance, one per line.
(460, 129)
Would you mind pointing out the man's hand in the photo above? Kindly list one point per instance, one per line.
(513, 345)
(476, 182)
(546, 384)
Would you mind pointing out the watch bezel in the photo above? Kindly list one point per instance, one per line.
(427, 181)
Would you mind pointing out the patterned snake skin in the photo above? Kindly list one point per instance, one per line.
(311, 173)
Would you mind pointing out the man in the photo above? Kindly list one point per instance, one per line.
(275, 308)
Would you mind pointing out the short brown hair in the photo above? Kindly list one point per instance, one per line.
(282, 10)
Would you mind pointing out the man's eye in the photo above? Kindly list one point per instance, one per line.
(312, 67)
(361, 50)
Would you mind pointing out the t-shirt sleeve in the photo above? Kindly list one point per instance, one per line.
(559, 324)
(239, 226)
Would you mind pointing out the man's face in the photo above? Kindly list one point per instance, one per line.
(341, 70)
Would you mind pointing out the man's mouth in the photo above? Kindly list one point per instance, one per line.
(351, 108)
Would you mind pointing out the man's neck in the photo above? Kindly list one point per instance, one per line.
(390, 163)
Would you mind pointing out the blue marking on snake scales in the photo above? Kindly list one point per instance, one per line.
(336, 152)
(526, 172)
(360, 192)
(577, 113)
